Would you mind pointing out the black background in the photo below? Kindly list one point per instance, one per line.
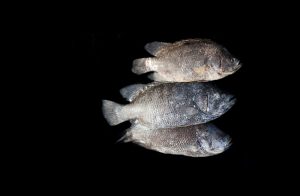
(102, 55)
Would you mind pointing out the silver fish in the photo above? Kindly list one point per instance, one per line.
(169, 105)
(194, 141)
(186, 61)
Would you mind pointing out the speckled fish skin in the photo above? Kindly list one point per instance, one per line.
(194, 141)
(169, 105)
(187, 61)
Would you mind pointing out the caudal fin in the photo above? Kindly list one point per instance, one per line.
(113, 112)
(140, 66)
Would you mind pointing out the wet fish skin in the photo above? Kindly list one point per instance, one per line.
(186, 61)
(194, 141)
(169, 105)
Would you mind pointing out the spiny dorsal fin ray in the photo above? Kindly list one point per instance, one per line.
(132, 91)
(154, 47)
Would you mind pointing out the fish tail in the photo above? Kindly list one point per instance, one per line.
(140, 66)
(113, 112)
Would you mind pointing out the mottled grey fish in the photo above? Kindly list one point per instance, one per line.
(168, 105)
(187, 61)
(195, 141)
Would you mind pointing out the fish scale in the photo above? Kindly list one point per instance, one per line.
(172, 117)
(187, 61)
(153, 107)
(195, 141)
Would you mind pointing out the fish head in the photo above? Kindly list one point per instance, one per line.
(214, 103)
(223, 63)
(212, 141)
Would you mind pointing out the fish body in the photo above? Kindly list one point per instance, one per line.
(194, 141)
(169, 105)
(187, 61)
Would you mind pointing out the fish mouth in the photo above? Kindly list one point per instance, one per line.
(226, 106)
(235, 68)
(226, 143)
(231, 101)
(229, 142)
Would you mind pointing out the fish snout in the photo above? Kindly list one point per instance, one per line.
(236, 65)
(231, 66)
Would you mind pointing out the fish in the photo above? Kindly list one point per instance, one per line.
(201, 140)
(169, 105)
(186, 61)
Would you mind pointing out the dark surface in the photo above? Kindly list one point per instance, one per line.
(102, 65)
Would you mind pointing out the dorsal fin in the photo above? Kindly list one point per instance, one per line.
(154, 47)
(132, 91)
